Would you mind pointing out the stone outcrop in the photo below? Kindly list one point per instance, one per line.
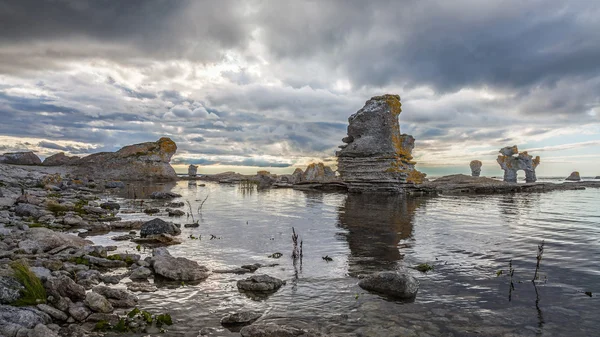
(376, 156)
(475, 168)
(522, 161)
(318, 172)
(192, 170)
(20, 158)
(574, 176)
(60, 159)
(145, 161)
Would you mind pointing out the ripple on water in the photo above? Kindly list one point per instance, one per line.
(467, 239)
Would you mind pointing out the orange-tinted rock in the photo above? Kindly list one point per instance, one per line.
(376, 156)
(59, 159)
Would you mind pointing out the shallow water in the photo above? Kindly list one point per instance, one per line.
(467, 239)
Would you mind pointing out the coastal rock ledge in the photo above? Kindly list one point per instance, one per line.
(145, 161)
(376, 156)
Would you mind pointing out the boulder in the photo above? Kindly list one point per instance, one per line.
(318, 172)
(192, 170)
(475, 168)
(98, 303)
(376, 156)
(79, 311)
(158, 239)
(158, 226)
(59, 159)
(145, 161)
(20, 158)
(260, 283)
(24, 317)
(141, 273)
(44, 239)
(265, 180)
(175, 212)
(399, 284)
(53, 312)
(164, 195)
(10, 289)
(29, 210)
(177, 268)
(573, 177)
(41, 330)
(119, 298)
(241, 318)
(111, 206)
(64, 286)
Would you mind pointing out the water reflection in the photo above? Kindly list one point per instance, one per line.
(378, 228)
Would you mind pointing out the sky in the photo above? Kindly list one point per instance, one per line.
(249, 85)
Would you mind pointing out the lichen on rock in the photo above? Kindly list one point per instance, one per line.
(376, 156)
(475, 168)
(511, 164)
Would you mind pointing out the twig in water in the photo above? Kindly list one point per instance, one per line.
(539, 259)
(190, 212)
(295, 252)
(202, 204)
(511, 272)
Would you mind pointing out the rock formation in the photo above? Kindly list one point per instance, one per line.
(317, 172)
(192, 170)
(475, 168)
(145, 161)
(574, 176)
(59, 159)
(376, 156)
(511, 164)
(20, 158)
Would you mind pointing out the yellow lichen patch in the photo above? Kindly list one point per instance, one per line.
(415, 177)
(263, 173)
(167, 145)
(536, 161)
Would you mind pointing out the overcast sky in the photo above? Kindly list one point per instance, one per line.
(272, 83)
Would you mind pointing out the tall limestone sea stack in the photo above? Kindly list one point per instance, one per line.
(376, 156)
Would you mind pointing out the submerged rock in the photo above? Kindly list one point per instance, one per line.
(158, 226)
(511, 164)
(260, 283)
(376, 156)
(240, 318)
(272, 330)
(399, 284)
(20, 158)
(475, 168)
(145, 161)
(574, 176)
(164, 195)
(177, 268)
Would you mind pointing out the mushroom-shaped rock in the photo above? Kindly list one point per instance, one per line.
(574, 176)
(511, 164)
(399, 284)
(260, 283)
(177, 268)
(475, 168)
(192, 170)
(376, 156)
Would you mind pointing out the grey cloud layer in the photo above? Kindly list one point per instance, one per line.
(304, 68)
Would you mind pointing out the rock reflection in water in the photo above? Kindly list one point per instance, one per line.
(377, 225)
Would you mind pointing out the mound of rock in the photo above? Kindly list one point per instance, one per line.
(177, 268)
(399, 284)
(20, 158)
(574, 176)
(157, 226)
(60, 159)
(318, 172)
(145, 161)
(376, 156)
